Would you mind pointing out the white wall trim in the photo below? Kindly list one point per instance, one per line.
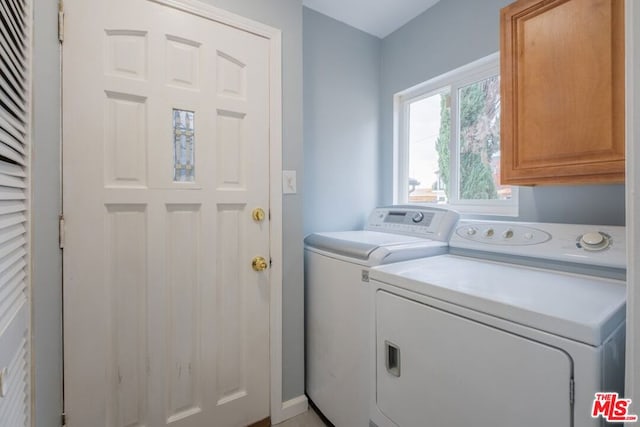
(213, 13)
(279, 412)
(291, 408)
(275, 206)
(29, 214)
(632, 36)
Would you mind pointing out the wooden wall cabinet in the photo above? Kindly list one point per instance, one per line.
(562, 91)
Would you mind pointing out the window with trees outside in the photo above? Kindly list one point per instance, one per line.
(447, 142)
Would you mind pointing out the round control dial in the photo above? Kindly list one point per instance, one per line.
(595, 241)
(417, 217)
(489, 232)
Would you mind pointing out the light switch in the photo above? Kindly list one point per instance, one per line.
(288, 182)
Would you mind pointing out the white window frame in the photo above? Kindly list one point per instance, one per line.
(452, 81)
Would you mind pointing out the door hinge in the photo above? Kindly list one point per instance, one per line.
(63, 419)
(572, 391)
(60, 21)
(61, 231)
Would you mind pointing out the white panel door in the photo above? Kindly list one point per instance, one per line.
(436, 369)
(166, 148)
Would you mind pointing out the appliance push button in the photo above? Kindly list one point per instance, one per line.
(595, 241)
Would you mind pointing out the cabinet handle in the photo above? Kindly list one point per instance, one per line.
(392, 358)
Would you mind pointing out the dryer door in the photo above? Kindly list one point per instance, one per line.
(437, 369)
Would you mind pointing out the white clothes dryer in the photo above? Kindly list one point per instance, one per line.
(337, 301)
(519, 325)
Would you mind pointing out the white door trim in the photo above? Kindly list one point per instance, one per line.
(632, 43)
(279, 411)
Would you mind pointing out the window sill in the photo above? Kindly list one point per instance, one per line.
(507, 208)
(485, 210)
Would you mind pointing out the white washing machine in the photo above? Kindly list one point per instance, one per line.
(337, 301)
(519, 325)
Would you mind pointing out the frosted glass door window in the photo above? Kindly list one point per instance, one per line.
(183, 146)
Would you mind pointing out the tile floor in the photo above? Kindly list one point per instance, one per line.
(308, 419)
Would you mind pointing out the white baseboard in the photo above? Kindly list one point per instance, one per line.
(290, 409)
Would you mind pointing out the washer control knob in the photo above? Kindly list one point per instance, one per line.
(471, 231)
(417, 217)
(489, 232)
(508, 234)
(528, 236)
(594, 241)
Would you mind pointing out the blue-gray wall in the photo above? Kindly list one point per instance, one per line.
(46, 266)
(46, 272)
(448, 35)
(341, 123)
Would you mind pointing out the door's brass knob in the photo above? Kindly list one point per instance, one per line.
(259, 264)
(258, 214)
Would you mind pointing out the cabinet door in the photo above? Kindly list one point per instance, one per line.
(562, 71)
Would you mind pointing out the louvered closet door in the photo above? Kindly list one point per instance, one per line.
(15, 42)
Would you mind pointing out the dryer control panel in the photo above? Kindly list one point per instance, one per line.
(433, 223)
(579, 244)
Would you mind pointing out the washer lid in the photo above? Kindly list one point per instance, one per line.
(357, 244)
(574, 306)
